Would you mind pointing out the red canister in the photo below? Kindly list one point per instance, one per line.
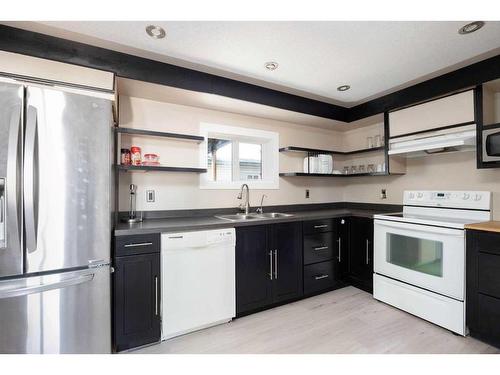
(135, 155)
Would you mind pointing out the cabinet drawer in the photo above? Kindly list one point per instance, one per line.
(488, 278)
(318, 226)
(318, 277)
(137, 244)
(318, 247)
(488, 242)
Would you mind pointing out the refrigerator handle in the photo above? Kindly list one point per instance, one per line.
(19, 292)
(11, 193)
(31, 179)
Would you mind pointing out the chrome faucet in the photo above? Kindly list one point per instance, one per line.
(260, 210)
(246, 206)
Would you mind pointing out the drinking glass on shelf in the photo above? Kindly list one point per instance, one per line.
(377, 141)
(346, 170)
(361, 168)
(354, 169)
(369, 142)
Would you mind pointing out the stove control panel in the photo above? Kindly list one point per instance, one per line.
(479, 200)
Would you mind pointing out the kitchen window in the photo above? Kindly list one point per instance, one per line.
(234, 156)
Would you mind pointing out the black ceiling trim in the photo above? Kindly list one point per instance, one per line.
(134, 67)
(456, 80)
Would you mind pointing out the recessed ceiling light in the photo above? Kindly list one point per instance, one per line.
(471, 27)
(156, 32)
(343, 88)
(271, 65)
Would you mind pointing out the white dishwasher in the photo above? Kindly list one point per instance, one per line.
(198, 280)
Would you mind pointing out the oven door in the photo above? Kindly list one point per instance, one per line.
(425, 256)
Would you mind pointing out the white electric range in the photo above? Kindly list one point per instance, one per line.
(419, 254)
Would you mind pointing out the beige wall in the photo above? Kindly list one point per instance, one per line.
(454, 171)
(181, 190)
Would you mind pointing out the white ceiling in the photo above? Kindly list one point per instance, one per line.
(314, 58)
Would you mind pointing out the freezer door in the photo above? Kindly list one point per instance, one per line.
(57, 313)
(67, 179)
(11, 135)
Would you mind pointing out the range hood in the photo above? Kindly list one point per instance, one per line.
(462, 138)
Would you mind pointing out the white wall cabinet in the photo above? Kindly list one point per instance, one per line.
(450, 110)
(27, 66)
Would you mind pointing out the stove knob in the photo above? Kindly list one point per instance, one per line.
(412, 195)
(420, 195)
(477, 197)
(466, 196)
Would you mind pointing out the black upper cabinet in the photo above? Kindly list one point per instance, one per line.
(360, 269)
(136, 300)
(268, 265)
(253, 269)
(285, 240)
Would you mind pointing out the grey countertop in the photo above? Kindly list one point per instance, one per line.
(181, 224)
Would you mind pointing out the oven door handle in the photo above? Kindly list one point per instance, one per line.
(419, 227)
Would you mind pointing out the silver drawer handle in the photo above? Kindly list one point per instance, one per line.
(367, 252)
(270, 265)
(320, 248)
(173, 237)
(340, 249)
(320, 277)
(320, 226)
(138, 244)
(156, 295)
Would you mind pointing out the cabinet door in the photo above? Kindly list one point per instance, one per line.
(286, 243)
(341, 253)
(136, 301)
(253, 269)
(361, 252)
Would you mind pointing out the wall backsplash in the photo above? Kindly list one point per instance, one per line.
(455, 171)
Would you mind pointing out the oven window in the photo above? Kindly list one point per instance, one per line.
(416, 254)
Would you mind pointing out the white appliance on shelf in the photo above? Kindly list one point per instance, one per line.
(198, 280)
(321, 163)
(419, 255)
(462, 138)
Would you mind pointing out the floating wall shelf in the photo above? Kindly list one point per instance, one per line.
(152, 133)
(329, 152)
(159, 168)
(303, 174)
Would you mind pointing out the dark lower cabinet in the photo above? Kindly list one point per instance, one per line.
(253, 273)
(286, 240)
(483, 285)
(136, 297)
(325, 254)
(360, 266)
(268, 265)
(342, 252)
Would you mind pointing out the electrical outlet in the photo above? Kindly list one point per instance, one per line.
(307, 193)
(150, 195)
(383, 194)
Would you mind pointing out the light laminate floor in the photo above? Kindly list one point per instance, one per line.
(347, 320)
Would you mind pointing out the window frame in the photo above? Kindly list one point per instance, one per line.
(270, 156)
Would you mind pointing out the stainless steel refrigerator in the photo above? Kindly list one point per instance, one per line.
(55, 219)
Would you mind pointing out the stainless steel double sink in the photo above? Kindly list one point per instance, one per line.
(253, 216)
